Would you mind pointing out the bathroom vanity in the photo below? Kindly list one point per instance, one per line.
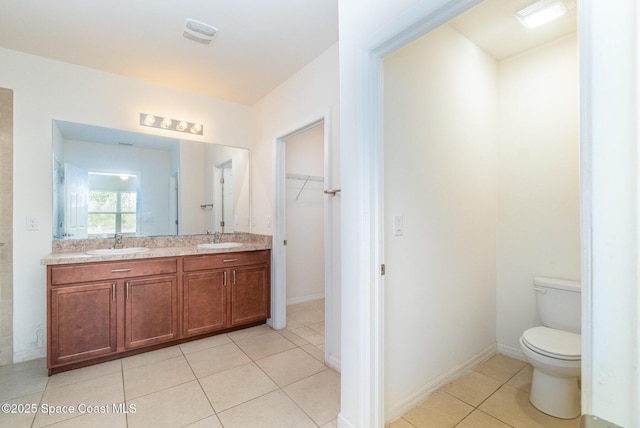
(109, 306)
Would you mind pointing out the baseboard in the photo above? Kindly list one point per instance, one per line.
(442, 380)
(333, 362)
(344, 422)
(304, 299)
(31, 354)
(510, 351)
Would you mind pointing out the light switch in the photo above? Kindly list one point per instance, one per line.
(398, 225)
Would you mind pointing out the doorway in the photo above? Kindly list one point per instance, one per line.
(223, 197)
(304, 213)
(472, 234)
(312, 186)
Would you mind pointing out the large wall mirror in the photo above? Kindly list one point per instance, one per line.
(109, 181)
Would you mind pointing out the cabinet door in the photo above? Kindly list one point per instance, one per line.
(82, 322)
(151, 311)
(250, 294)
(205, 302)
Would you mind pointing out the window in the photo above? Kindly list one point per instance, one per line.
(111, 210)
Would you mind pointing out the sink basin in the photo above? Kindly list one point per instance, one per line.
(116, 251)
(219, 245)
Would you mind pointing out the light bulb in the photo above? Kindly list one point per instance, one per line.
(149, 120)
(166, 122)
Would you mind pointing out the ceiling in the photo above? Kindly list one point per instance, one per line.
(259, 45)
(493, 27)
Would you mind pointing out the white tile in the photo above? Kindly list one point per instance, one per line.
(23, 416)
(84, 374)
(18, 384)
(151, 357)
(209, 342)
(249, 332)
(309, 335)
(156, 376)
(103, 390)
(440, 410)
(173, 407)
(217, 359)
(274, 410)
(290, 366)
(262, 346)
(236, 386)
(318, 395)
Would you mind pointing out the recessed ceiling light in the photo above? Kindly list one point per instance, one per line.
(199, 31)
(544, 11)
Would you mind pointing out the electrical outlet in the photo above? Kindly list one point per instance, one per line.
(33, 223)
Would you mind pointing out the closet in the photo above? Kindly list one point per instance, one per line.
(305, 215)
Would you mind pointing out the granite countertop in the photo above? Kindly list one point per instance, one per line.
(74, 251)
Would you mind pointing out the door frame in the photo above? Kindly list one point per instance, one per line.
(279, 271)
(370, 163)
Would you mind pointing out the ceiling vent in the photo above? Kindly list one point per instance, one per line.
(199, 31)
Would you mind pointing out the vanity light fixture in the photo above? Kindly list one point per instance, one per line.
(171, 124)
(544, 11)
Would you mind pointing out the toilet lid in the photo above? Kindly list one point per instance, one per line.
(553, 343)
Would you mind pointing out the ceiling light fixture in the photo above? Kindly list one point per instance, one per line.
(171, 124)
(199, 31)
(544, 11)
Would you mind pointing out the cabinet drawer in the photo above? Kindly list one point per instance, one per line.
(69, 274)
(216, 261)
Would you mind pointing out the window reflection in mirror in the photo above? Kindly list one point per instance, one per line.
(110, 181)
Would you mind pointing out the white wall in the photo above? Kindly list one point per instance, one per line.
(610, 78)
(440, 176)
(45, 90)
(305, 217)
(362, 27)
(304, 98)
(538, 180)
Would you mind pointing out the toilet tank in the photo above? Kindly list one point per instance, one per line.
(559, 303)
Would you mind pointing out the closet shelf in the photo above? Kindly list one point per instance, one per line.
(305, 178)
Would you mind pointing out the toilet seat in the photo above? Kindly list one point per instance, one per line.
(562, 345)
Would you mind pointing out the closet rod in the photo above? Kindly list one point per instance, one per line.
(304, 177)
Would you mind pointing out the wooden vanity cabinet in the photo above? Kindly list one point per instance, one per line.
(223, 291)
(82, 322)
(205, 302)
(104, 310)
(99, 309)
(151, 311)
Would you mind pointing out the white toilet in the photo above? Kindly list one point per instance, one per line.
(553, 349)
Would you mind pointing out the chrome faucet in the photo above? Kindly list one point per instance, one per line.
(216, 238)
(118, 238)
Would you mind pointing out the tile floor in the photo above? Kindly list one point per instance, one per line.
(493, 395)
(255, 377)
